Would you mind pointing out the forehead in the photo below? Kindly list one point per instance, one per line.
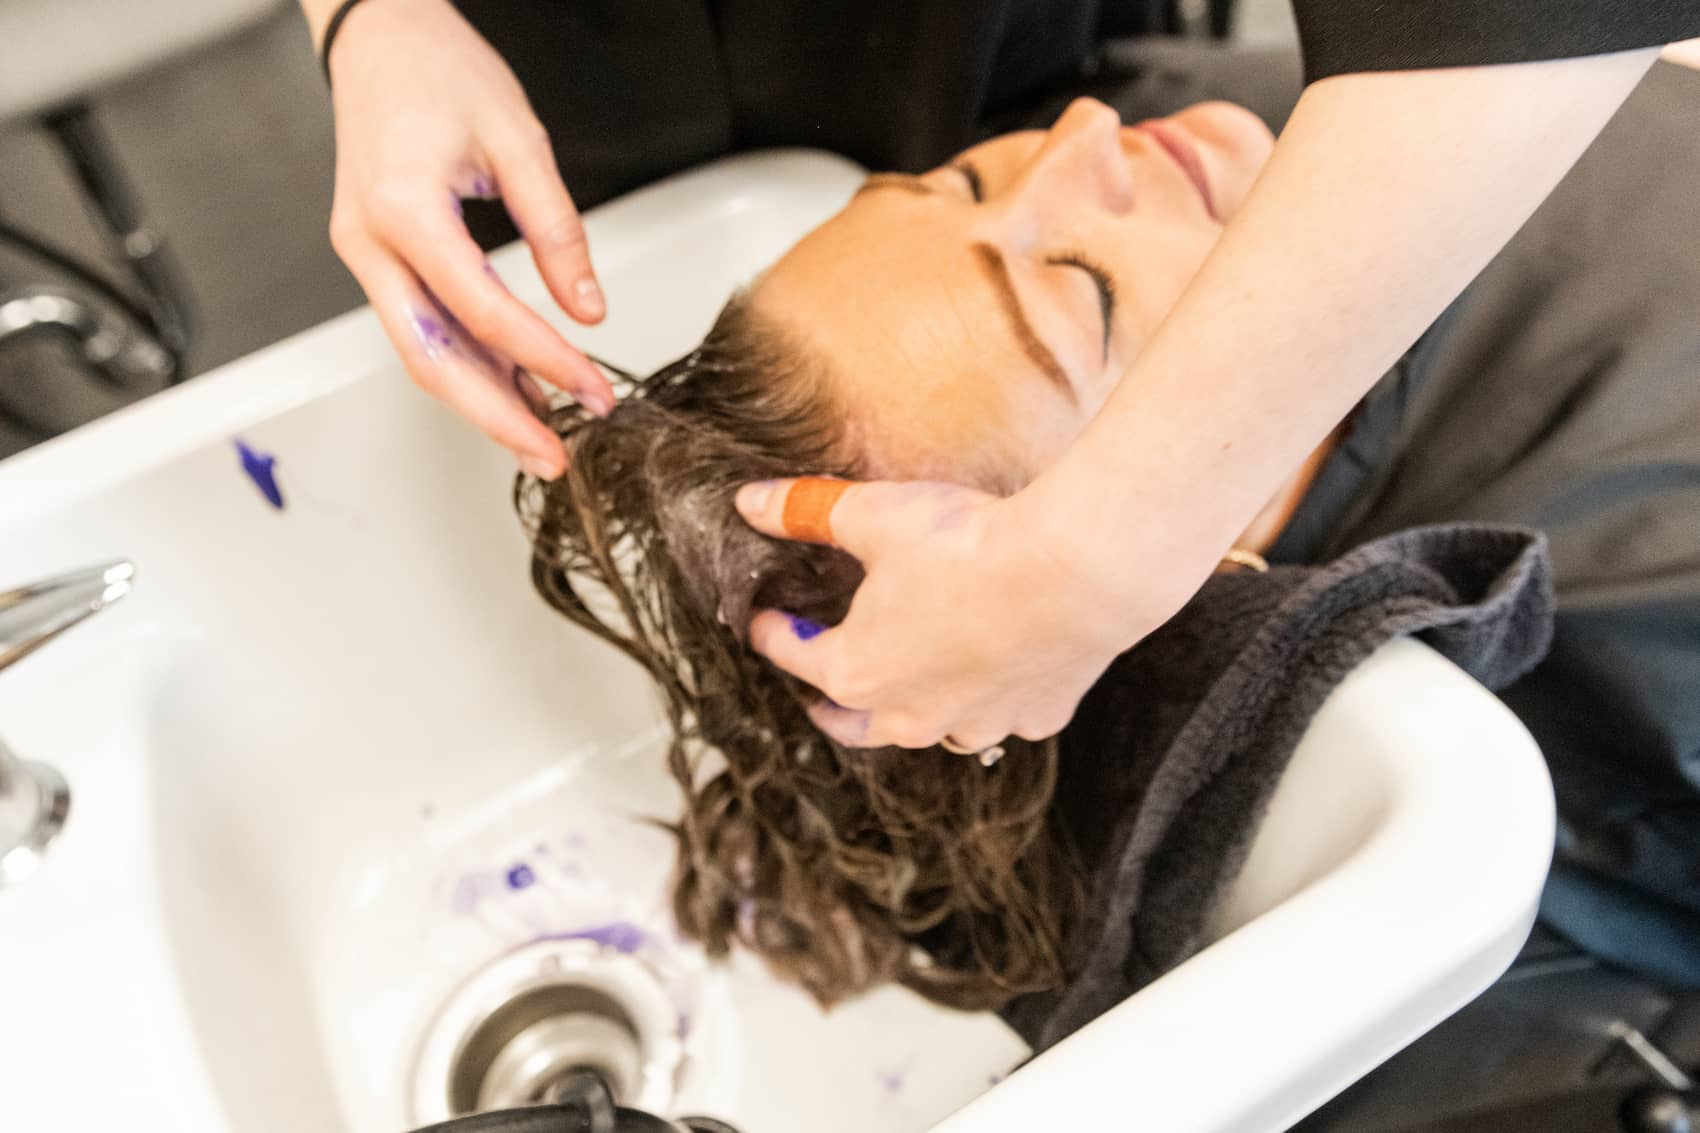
(889, 293)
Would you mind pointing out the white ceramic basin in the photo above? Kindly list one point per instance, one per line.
(327, 761)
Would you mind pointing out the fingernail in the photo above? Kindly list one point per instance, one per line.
(536, 466)
(752, 498)
(597, 402)
(589, 296)
(804, 628)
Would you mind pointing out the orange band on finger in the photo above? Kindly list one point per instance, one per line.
(808, 508)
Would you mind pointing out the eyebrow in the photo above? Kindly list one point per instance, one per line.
(908, 182)
(992, 261)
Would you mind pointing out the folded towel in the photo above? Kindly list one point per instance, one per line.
(1172, 758)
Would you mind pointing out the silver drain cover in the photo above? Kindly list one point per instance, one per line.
(523, 1026)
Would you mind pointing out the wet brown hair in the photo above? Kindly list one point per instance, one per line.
(843, 868)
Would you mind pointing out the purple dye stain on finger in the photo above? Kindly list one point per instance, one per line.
(432, 333)
(454, 203)
(483, 187)
(490, 270)
(261, 468)
(804, 628)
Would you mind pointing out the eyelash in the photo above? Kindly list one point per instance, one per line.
(1106, 285)
(976, 188)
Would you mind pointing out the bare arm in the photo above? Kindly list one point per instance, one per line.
(1386, 195)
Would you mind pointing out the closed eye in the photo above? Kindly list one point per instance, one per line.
(976, 187)
(1101, 280)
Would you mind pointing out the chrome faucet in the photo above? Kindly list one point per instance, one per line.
(34, 799)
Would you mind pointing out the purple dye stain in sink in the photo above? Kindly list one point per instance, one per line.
(521, 877)
(260, 467)
(891, 1081)
(621, 936)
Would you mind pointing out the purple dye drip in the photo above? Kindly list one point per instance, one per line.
(260, 468)
(468, 891)
(521, 877)
(621, 936)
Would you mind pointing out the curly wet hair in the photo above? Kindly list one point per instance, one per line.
(844, 869)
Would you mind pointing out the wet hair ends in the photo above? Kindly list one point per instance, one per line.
(844, 869)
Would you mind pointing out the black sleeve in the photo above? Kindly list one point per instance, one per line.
(1341, 36)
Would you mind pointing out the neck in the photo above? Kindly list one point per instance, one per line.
(1267, 525)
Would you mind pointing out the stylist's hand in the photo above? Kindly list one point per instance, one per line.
(427, 113)
(970, 623)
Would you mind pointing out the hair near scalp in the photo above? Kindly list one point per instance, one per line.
(844, 869)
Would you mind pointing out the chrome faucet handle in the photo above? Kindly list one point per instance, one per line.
(33, 615)
(34, 799)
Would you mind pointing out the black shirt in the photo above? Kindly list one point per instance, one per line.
(633, 91)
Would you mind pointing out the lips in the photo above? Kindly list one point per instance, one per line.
(1178, 146)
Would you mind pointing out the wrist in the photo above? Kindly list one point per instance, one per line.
(1068, 577)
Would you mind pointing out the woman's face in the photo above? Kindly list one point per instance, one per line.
(975, 317)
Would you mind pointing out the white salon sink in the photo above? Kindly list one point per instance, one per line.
(329, 761)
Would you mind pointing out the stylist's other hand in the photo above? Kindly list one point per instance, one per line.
(969, 622)
(427, 114)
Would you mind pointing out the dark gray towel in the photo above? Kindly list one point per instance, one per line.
(1172, 758)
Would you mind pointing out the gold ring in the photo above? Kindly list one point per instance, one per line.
(987, 756)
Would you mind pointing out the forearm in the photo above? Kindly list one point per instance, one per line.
(1387, 194)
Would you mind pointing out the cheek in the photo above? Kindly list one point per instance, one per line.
(1154, 264)
(1235, 145)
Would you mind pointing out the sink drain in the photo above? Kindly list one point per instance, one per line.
(523, 1028)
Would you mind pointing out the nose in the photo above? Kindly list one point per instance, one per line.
(1079, 162)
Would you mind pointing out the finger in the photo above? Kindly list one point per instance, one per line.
(435, 244)
(531, 392)
(546, 217)
(453, 367)
(804, 508)
(847, 726)
(795, 644)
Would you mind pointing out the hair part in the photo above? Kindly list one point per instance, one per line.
(843, 868)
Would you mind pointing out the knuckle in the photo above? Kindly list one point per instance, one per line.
(532, 137)
(391, 201)
(905, 730)
(344, 234)
(850, 685)
(564, 234)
